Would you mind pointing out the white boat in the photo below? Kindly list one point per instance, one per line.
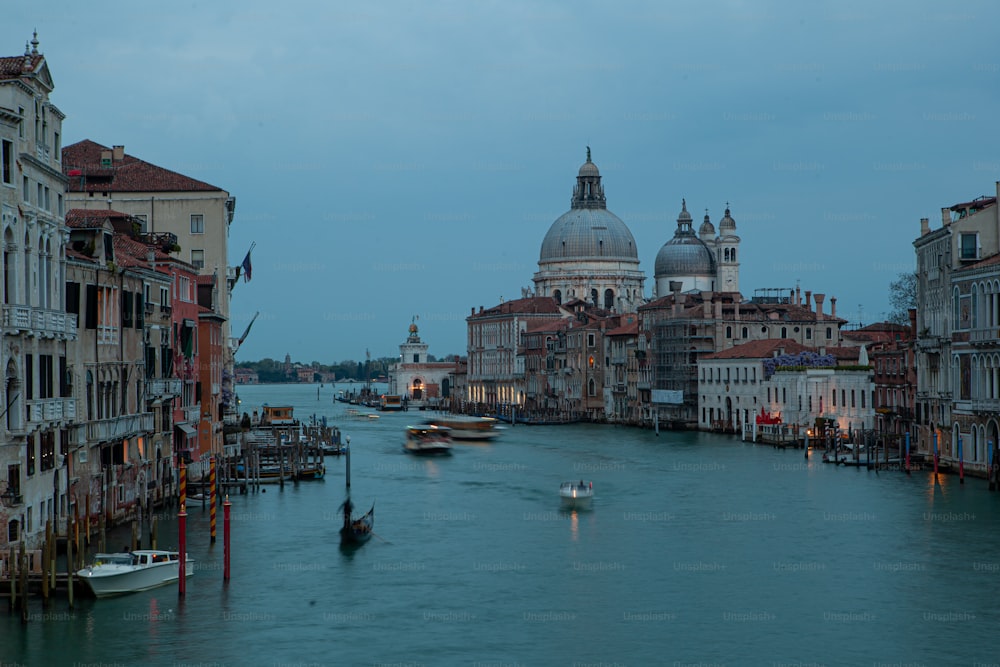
(428, 440)
(470, 428)
(576, 495)
(132, 571)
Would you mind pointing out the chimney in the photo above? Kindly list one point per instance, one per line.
(798, 296)
(946, 216)
(819, 304)
(118, 153)
(473, 310)
(925, 226)
(105, 158)
(833, 306)
(808, 303)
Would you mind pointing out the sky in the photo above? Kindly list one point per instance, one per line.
(400, 160)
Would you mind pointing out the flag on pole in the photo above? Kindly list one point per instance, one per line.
(247, 332)
(247, 267)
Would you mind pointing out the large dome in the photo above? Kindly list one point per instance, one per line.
(685, 255)
(588, 233)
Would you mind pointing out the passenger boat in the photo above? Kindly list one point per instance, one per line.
(133, 571)
(576, 495)
(469, 428)
(390, 402)
(428, 440)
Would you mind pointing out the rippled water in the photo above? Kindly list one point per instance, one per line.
(699, 549)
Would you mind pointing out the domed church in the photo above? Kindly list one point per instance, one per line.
(589, 253)
(702, 262)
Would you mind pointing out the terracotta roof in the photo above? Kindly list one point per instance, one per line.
(82, 164)
(535, 305)
(12, 67)
(989, 261)
(628, 329)
(549, 326)
(80, 218)
(759, 349)
(762, 349)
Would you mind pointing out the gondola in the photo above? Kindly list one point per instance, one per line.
(355, 531)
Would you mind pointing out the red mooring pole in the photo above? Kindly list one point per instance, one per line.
(225, 539)
(182, 486)
(182, 542)
(211, 497)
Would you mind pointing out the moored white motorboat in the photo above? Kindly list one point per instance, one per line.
(576, 495)
(428, 440)
(133, 571)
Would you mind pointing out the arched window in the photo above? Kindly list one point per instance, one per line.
(729, 332)
(829, 333)
(557, 295)
(609, 299)
(591, 388)
(746, 332)
(732, 255)
(784, 332)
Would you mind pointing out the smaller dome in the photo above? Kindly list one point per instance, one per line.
(589, 169)
(727, 224)
(707, 228)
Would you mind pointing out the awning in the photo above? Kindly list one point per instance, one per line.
(188, 430)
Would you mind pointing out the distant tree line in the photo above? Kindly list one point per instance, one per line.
(271, 370)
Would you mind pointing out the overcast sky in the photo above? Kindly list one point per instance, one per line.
(399, 159)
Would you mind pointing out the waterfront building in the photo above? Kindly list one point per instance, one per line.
(543, 352)
(198, 214)
(420, 381)
(105, 287)
(179, 355)
(975, 352)
(38, 407)
(212, 355)
(890, 350)
(246, 376)
(969, 233)
(684, 327)
(783, 377)
(495, 369)
(588, 253)
(623, 355)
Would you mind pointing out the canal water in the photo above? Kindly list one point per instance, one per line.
(699, 550)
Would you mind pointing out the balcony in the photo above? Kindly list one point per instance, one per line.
(10, 498)
(192, 414)
(51, 410)
(929, 343)
(986, 405)
(163, 388)
(39, 322)
(985, 336)
(117, 428)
